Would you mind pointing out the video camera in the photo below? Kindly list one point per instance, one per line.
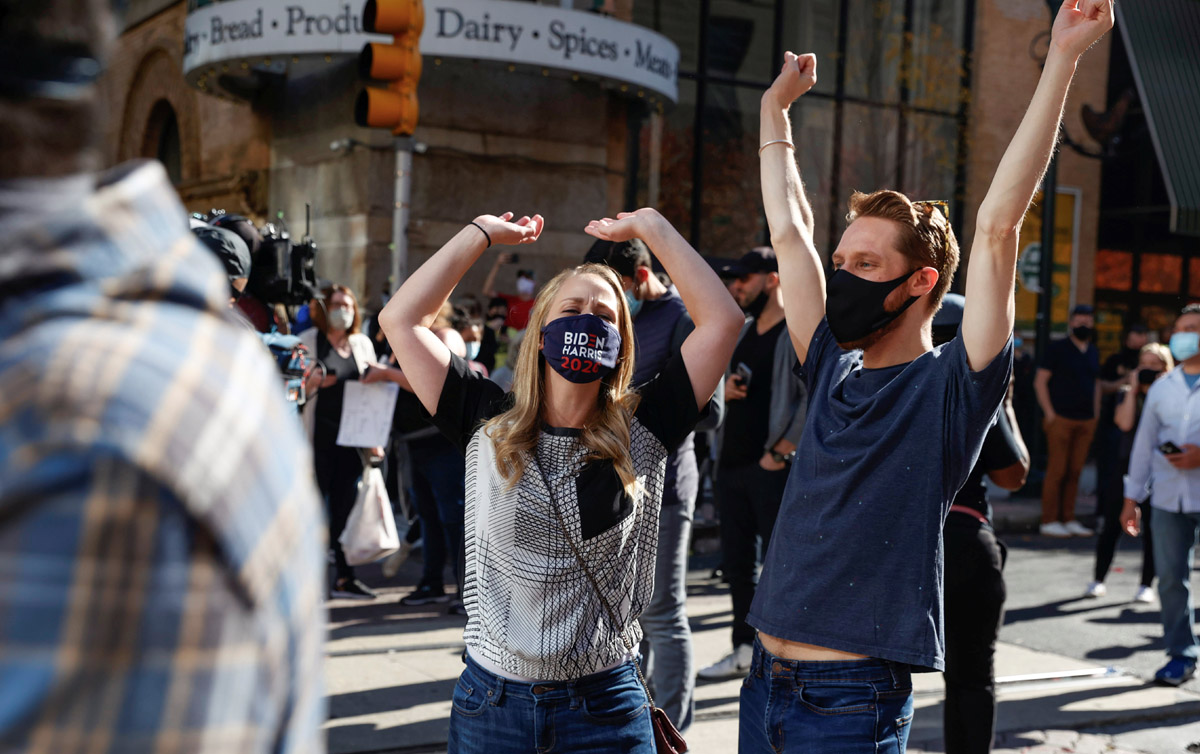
(284, 271)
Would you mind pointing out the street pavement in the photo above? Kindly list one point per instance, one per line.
(1073, 673)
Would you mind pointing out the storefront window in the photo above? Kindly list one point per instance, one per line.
(1114, 270)
(1160, 273)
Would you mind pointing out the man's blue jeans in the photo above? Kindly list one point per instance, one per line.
(824, 707)
(667, 646)
(1174, 547)
(600, 713)
(439, 493)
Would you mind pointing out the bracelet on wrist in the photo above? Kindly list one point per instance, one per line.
(484, 232)
(776, 141)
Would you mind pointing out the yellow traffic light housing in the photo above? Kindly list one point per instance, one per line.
(399, 64)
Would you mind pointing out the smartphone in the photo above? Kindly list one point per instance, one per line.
(1168, 448)
(514, 258)
(743, 373)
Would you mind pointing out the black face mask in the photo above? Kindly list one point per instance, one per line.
(1147, 376)
(1083, 332)
(755, 307)
(854, 306)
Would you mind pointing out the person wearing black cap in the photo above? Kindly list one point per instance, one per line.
(233, 253)
(1068, 391)
(249, 304)
(660, 326)
(975, 590)
(764, 418)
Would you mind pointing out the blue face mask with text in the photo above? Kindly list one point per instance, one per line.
(1185, 345)
(582, 349)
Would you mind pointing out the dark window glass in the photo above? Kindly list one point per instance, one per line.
(1160, 273)
(1114, 270)
(873, 45)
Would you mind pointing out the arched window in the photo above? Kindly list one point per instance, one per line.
(162, 139)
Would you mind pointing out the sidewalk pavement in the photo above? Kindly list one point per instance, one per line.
(391, 670)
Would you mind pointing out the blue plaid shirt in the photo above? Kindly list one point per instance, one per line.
(161, 544)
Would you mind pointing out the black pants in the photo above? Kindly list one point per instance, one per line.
(749, 505)
(1106, 543)
(337, 470)
(974, 610)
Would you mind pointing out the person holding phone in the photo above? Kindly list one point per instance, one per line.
(519, 304)
(764, 419)
(564, 484)
(1164, 467)
(1154, 360)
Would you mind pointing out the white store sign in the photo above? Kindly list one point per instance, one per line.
(238, 35)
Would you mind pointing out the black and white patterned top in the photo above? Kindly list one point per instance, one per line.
(532, 612)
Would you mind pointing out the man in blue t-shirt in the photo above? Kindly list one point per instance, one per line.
(850, 598)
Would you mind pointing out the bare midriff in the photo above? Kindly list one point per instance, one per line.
(796, 650)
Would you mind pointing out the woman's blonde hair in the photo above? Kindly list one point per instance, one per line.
(515, 432)
(1161, 351)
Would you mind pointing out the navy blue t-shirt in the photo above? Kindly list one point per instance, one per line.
(855, 562)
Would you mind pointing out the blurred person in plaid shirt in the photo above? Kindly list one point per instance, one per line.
(160, 537)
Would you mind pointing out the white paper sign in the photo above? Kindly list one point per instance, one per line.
(367, 414)
(237, 35)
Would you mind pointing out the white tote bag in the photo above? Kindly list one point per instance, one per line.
(370, 532)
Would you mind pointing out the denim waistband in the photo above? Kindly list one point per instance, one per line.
(765, 664)
(498, 686)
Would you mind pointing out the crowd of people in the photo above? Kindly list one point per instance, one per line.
(547, 440)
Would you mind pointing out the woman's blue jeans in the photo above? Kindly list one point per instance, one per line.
(604, 712)
(853, 707)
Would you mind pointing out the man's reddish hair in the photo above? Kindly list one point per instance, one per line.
(926, 238)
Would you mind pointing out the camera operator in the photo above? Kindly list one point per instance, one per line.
(257, 311)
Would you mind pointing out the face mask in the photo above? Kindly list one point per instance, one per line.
(473, 350)
(341, 319)
(755, 307)
(525, 286)
(854, 306)
(1185, 345)
(1083, 332)
(582, 348)
(635, 304)
(1148, 376)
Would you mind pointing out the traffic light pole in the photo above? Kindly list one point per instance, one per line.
(402, 196)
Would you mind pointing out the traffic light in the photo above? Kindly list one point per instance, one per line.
(398, 63)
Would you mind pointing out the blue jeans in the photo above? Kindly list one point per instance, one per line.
(604, 712)
(438, 486)
(667, 646)
(824, 707)
(1174, 546)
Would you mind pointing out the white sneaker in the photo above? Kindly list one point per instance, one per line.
(1077, 529)
(1096, 589)
(734, 665)
(1054, 529)
(1144, 594)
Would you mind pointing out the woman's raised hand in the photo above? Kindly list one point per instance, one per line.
(504, 231)
(628, 225)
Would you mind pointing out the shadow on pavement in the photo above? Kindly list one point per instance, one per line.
(1051, 609)
(359, 737)
(1122, 652)
(1068, 710)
